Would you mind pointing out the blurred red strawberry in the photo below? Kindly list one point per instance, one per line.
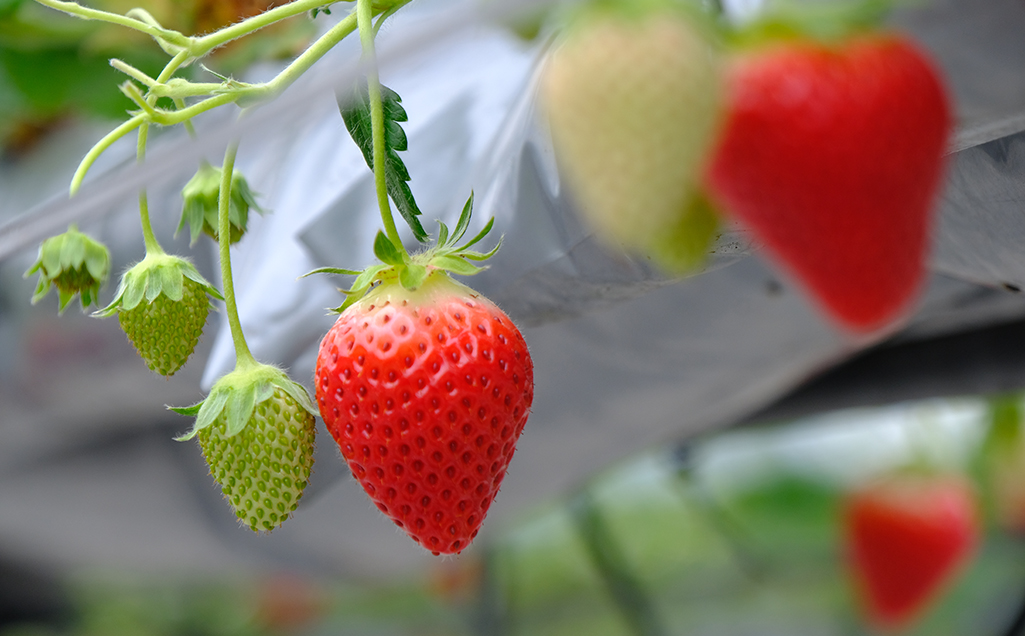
(832, 154)
(906, 538)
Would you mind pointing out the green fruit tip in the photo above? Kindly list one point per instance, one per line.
(201, 199)
(683, 247)
(75, 264)
(824, 22)
(152, 276)
(237, 394)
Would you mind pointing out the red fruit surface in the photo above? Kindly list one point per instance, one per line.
(832, 156)
(426, 393)
(907, 538)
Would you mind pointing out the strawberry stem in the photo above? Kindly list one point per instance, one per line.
(243, 357)
(364, 20)
(152, 245)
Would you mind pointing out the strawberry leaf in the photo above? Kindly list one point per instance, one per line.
(355, 109)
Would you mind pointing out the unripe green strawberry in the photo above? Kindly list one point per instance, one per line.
(256, 430)
(263, 470)
(73, 263)
(201, 195)
(162, 306)
(166, 331)
(632, 97)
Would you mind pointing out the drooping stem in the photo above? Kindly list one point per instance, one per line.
(364, 13)
(243, 357)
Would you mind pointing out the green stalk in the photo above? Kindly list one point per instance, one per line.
(243, 357)
(312, 54)
(85, 13)
(101, 145)
(207, 43)
(364, 13)
(152, 246)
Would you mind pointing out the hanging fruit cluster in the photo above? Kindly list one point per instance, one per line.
(819, 132)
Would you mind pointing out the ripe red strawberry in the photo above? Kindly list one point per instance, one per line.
(832, 153)
(426, 393)
(906, 538)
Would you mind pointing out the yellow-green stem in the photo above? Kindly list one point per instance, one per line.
(364, 13)
(243, 357)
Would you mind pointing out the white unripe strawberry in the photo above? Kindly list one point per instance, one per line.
(633, 98)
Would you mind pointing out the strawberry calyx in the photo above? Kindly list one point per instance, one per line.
(157, 274)
(412, 271)
(200, 198)
(237, 394)
(827, 22)
(75, 264)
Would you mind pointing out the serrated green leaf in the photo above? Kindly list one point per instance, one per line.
(239, 409)
(355, 109)
(464, 220)
(386, 251)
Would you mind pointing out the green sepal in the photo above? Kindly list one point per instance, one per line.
(685, 245)
(412, 271)
(455, 265)
(152, 276)
(237, 395)
(201, 197)
(412, 276)
(333, 270)
(355, 109)
(73, 263)
(386, 251)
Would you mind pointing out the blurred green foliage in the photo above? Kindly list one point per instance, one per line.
(734, 535)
